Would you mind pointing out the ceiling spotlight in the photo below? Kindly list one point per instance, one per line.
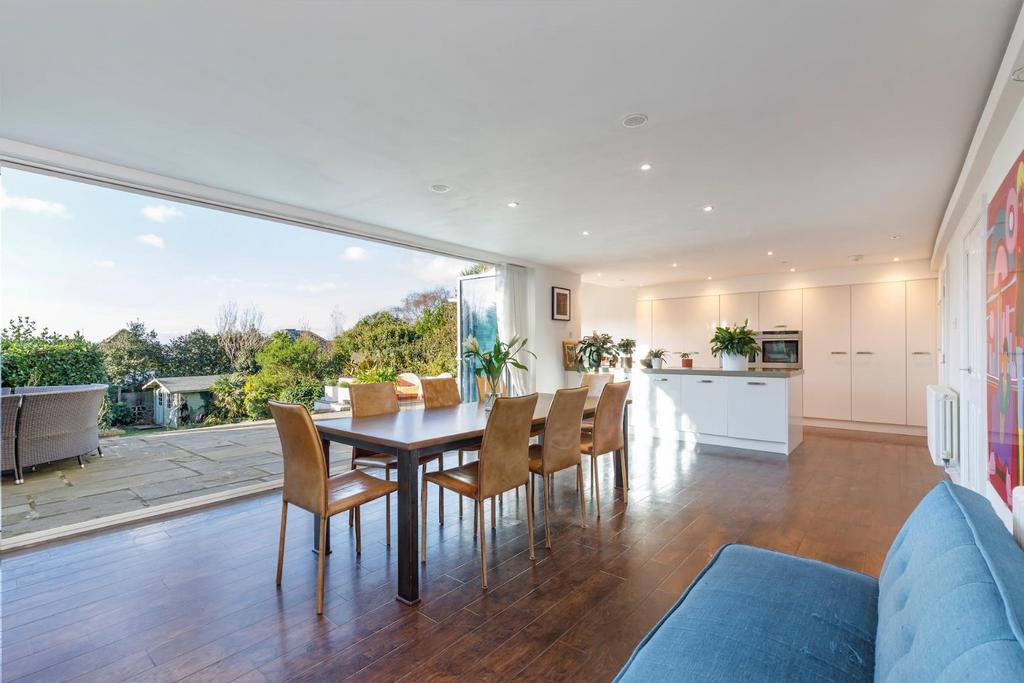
(896, 237)
(792, 270)
(645, 167)
(586, 232)
(856, 258)
(709, 277)
(675, 265)
(440, 189)
(708, 208)
(896, 259)
(771, 253)
(512, 205)
(634, 120)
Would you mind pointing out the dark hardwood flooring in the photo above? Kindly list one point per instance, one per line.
(193, 597)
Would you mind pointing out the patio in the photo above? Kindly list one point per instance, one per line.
(141, 472)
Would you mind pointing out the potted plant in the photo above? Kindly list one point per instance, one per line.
(626, 348)
(686, 358)
(593, 349)
(734, 345)
(492, 364)
(656, 357)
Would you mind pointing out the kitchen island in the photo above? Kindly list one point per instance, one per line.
(759, 410)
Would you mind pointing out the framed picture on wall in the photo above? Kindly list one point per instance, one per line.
(561, 304)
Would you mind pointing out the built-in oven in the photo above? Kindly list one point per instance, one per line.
(780, 349)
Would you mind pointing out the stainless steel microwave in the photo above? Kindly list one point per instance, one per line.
(780, 349)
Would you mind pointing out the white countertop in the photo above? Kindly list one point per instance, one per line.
(718, 372)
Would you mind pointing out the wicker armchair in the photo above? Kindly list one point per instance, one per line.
(58, 422)
(10, 403)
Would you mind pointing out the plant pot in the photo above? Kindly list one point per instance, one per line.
(687, 362)
(627, 363)
(732, 361)
(656, 363)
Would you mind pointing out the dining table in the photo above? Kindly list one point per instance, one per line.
(415, 432)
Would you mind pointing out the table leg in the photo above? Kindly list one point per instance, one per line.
(625, 448)
(316, 518)
(408, 528)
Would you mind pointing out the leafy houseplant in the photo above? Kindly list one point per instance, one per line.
(492, 364)
(656, 358)
(734, 345)
(626, 347)
(592, 350)
(687, 361)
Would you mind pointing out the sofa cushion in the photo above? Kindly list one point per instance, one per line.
(757, 615)
(951, 595)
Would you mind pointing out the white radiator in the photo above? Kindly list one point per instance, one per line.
(943, 425)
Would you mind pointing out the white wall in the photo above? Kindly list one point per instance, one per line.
(546, 335)
(609, 310)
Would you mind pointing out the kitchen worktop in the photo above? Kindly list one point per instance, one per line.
(718, 372)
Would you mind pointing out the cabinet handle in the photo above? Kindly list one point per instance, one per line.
(660, 379)
(839, 353)
(921, 353)
(865, 353)
(757, 384)
(706, 381)
(782, 325)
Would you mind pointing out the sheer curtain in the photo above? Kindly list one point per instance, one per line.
(514, 320)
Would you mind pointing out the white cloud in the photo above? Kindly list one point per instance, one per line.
(152, 240)
(161, 213)
(354, 254)
(438, 270)
(103, 263)
(316, 287)
(41, 207)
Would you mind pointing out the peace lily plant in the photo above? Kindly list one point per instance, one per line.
(734, 345)
(491, 364)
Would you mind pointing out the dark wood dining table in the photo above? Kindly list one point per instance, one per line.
(410, 434)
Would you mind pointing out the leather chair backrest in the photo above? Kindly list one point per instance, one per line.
(505, 451)
(596, 382)
(608, 418)
(562, 429)
(373, 399)
(440, 392)
(305, 470)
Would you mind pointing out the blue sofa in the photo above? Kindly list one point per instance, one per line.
(949, 606)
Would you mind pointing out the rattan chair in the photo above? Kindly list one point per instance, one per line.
(10, 403)
(55, 423)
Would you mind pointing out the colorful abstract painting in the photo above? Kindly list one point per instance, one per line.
(1004, 313)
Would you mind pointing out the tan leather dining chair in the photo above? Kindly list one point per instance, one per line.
(504, 464)
(595, 383)
(369, 400)
(560, 449)
(607, 436)
(443, 392)
(307, 484)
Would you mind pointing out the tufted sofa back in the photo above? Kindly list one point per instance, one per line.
(951, 595)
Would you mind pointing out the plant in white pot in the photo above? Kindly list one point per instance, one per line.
(735, 345)
(626, 348)
(656, 357)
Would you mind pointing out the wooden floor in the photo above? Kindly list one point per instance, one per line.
(193, 597)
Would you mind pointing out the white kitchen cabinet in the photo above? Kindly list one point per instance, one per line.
(758, 408)
(686, 325)
(700, 404)
(826, 352)
(879, 344)
(643, 328)
(662, 402)
(922, 350)
(780, 310)
(735, 308)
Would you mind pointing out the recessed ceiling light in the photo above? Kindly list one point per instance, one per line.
(440, 189)
(856, 258)
(708, 208)
(634, 120)
(896, 237)
(512, 205)
(645, 167)
(675, 265)
(771, 253)
(709, 277)
(896, 259)
(599, 274)
(586, 232)
(792, 270)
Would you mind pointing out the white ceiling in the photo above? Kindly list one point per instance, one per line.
(816, 129)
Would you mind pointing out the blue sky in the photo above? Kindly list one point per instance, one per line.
(75, 256)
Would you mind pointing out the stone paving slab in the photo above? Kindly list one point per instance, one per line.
(141, 471)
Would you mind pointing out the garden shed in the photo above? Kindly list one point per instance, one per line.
(181, 400)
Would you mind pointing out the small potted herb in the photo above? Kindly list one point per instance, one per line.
(656, 357)
(734, 345)
(686, 358)
(626, 348)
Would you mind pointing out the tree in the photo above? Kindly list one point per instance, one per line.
(475, 269)
(415, 303)
(32, 357)
(196, 353)
(133, 356)
(240, 334)
(291, 370)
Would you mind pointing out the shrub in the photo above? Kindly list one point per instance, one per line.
(229, 398)
(30, 357)
(120, 415)
(305, 392)
(196, 353)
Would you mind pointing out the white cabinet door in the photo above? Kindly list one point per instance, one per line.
(662, 401)
(780, 310)
(643, 329)
(702, 405)
(826, 352)
(922, 351)
(758, 409)
(879, 333)
(735, 308)
(686, 325)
